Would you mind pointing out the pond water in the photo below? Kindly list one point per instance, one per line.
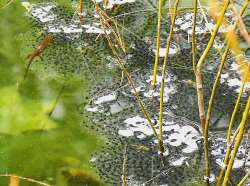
(73, 118)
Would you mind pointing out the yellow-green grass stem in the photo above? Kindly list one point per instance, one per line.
(106, 4)
(164, 73)
(237, 103)
(242, 87)
(200, 63)
(210, 105)
(246, 151)
(226, 159)
(213, 35)
(105, 24)
(238, 142)
(225, 162)
(218, 75)
(158, 41)
(244, 179)
(229, 140)
(199, 86)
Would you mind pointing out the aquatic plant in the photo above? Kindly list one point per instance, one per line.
(164, 73)
(157, 42)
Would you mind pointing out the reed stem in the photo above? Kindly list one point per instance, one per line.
(81, 7)
(229, 141)
(81, 10)
(105, 24)
(237, 103)
(237, 143)
(157, 43)
(164, 72)
(199, 86)
(242, 181)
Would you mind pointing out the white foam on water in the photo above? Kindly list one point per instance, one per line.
(162, 51)
(43, 13)
(178, 162)
(93, 159)
(179, 134)
(218, 152)
(168, 90)
(138, 124)
(93, 29)
(106, 98)
(174, 139)
(126, 133)
(67, 29)
(93, 109)
(166, 152)
(186, 25)
(138, 89)
(233, 81)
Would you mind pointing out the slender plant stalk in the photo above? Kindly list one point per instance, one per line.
(229, 140)
(237, 143)
(106, 4)
(81, 10)
(218, 75)
(226, 159)
(164, 72)
(81, 7)
(117, 35)
(242, 181)
(237, 103)
(157, 43)
(193, 35)
(200, 63)
(246, 148)
(211, 100)
(105, 24)
(209, 29)
(242, 87)
(199, 86)
(124, 181)
(170, 10)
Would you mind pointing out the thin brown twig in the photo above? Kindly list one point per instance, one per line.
(106, 25)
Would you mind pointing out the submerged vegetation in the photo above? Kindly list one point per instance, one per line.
(128, 92)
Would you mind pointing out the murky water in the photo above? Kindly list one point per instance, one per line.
(70, 121)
